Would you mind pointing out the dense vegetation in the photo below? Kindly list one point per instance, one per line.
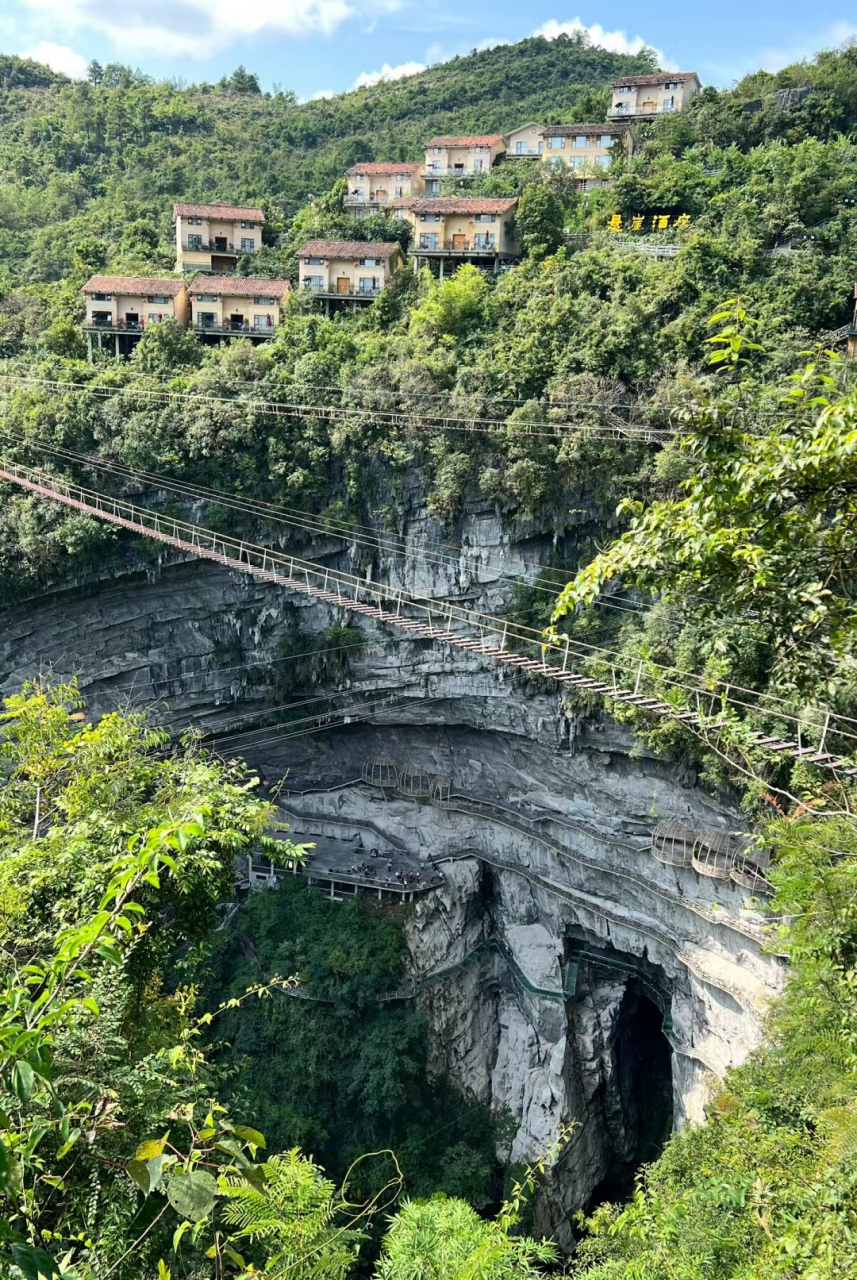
(735, 555)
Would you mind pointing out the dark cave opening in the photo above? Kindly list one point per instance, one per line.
(642, 1064)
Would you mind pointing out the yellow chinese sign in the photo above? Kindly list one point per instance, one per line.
(649, 222)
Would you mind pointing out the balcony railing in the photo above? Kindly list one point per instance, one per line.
(322, 292)
(211, 246)
(463, 245)
(125, 326)
(234, 330)
(624, 113)
(528, 151)
(455, 172)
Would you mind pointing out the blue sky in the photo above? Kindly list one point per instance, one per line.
(320, 46)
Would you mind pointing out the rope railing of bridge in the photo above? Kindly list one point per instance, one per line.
(423, 618)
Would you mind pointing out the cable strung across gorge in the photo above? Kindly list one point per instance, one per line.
(344, 414)
(434, 620)
(316, 525)
(294, 517)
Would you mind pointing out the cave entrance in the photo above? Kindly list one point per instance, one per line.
(642, 1080)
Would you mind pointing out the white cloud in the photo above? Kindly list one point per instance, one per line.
(322, 93)
(59, 57)
(615, 41)
(367, 79)
(200, 28)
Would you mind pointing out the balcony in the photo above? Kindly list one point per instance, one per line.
(236, 330)
(216, 247)
(365, 294)
(92, 324)
(457, 171)
(627, 113)
(460, 245)
(522, 155)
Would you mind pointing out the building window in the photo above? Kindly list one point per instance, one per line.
(194, 222)
(581, 140)
(485, 240)
(207, 297)
(602, 161)
(671, 84)
(429, 217)
(482, 149)
(314, 262)
(668, 104)
(248, 244)
(206, 319)
(370, 262)
(477, 166)
(485, 217)
(429, 240)
(263, 322)
(313, 283)
(157, 297)
(368, 284)
(606, 140)
(437, 151)
(401, 177)
(264, 302)
(400, 191)
(625, 88)
(556, 144)
(250, 226)
(555, 162)
(102, 317)
(155, 317)
(101, 297)
(194, 242)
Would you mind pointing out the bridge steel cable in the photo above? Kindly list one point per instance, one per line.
(422, 618)
(313, 524)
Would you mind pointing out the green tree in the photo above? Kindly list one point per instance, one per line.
(166, 347)
(540, 219)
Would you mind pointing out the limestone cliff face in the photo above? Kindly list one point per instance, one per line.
(563, 936)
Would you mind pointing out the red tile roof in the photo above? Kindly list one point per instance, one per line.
(385, 166)
(218, 210)
(679, 76)
(587, 130)
(348, 249)
(239, 286)
(468, 140)
(134, 286)
(449, 204)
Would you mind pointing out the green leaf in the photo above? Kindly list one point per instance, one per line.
(22, 1080)
(192, 1194)
(138, 1172)
(247, 1134)
(34, 1263)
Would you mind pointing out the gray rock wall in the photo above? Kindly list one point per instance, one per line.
(546, 840)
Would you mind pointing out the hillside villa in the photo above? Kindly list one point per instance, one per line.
(586, 148)
(373, 186)
(645, 97)
(460, 157)
(232, 306)
(347, 270)
(460, 229)
(526, 140)
(212, 237)
(123, 307)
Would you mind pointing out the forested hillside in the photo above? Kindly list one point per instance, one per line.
(705, 516)
(108, 159)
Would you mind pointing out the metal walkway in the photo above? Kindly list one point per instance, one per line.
(422, 618)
